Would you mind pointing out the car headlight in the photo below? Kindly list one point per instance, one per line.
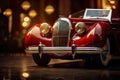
(80, 28)
(44, 28)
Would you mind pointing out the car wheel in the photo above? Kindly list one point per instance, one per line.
(105, 55)
(101, 59)
(41, 60)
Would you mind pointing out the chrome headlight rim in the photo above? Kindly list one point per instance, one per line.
(44, 28)
(80, 28)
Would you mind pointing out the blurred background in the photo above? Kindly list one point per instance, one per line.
(17, 16)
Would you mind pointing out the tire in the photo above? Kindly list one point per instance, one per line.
(100, 60)
(41, 61)
(105, 55)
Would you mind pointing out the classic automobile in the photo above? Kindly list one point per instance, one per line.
(84, 37)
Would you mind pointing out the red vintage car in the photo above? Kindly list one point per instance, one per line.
(85, 37)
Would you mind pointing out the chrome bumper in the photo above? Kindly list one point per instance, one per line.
(76, 50)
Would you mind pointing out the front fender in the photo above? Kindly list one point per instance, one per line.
(34, 38)
(96, 35)
(102, 31)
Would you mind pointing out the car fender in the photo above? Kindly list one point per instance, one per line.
(34, 37)
(95, 35)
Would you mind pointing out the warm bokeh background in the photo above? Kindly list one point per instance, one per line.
(17, 16)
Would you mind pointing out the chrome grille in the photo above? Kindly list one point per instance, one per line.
(61, 33)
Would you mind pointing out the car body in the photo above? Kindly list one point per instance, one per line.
(86, 37)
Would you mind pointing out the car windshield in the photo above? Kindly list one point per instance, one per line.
(93, 14)
(98, 14)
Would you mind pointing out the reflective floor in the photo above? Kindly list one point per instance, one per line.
(22, 67)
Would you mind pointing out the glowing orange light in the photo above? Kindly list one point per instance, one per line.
(25, 5)
(114, 7)
(26, 19)
(112, 2)
(108, 7)
(32, 13)
(25, 74)
(24, 24)
(7, 12)
(49, 9)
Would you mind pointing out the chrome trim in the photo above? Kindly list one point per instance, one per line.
(63, 50)
(67, 20)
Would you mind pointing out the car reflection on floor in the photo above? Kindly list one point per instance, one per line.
(23, 68)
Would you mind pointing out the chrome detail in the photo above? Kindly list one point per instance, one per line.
(105, 14)
(44, 28)
(80, 28)
(73, 48)
(40, 49)
(61, 32)
(63, 50)
(67, 20)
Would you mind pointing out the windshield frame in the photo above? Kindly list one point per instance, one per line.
(107, 16)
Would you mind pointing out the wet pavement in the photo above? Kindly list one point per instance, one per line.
(22, 67)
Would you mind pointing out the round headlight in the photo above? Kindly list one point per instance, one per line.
(44, 28)
(80, 28)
